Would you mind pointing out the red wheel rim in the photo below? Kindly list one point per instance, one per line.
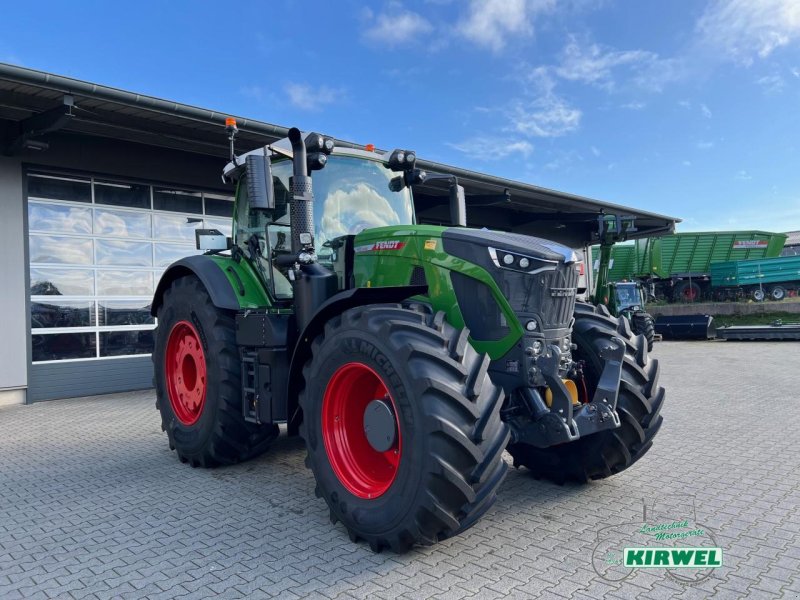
(690, 294)
(185, 368)
(364, 471)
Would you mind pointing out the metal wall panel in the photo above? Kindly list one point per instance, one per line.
(13, 275)
(67, 379)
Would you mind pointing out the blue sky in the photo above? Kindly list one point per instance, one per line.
(683, 107)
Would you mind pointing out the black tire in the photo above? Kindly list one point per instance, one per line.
(448, 413)
(777, 293)
(758, 294)
(640, 399)
(643, 324)
(220, 435)
(687, 291)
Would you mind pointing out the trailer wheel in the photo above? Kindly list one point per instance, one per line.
(777, 293)
(639, 404)
(642, 323)
(687, 291)
(402, 426)
(197, 376)
(758, 294)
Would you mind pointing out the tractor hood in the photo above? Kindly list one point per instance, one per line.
(513, 242)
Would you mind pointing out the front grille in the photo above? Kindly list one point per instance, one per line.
(550, 294)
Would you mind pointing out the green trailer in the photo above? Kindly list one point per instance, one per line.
(772, 278)
(678, 267)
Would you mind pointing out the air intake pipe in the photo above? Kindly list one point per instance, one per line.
(313, 284)
(302, 206)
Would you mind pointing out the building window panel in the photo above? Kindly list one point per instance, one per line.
(123, 343)
(61, 346)
(51, 187)
(62, 282)
(122, 223)
(177, 201)
(130, 195)
(124, 312)
(174, 228)
(225, 226)
(59, 218)
(124, 283)
(54, 312)
(60, 250)
(219, 206)
(129, 254)
(166, 254)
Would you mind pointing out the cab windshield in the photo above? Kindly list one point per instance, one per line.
(628, 295)
(350, 194)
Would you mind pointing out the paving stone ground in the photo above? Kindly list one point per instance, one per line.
(93, 504)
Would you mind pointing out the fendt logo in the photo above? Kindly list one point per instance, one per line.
(673, 557)
(562, 292)
(385, 245)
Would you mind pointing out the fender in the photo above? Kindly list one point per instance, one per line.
(335, 305)
(208, 272)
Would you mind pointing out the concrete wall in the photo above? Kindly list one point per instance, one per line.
(13, 285)
(790, 305)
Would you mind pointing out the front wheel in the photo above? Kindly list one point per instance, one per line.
(758, 294)
(642, 323)
(402, 426)
(608, 452)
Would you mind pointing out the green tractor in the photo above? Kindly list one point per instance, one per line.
(408, 357)
(625, 299)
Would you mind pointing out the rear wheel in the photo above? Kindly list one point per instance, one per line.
(687, 291)
(642, 324)
(639, 403)
(198, 381)
(777, 293)
(402, 426)
(758, 294)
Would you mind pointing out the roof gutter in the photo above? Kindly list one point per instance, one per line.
(67, 85)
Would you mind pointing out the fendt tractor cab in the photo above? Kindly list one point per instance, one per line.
(407, 356)
(623, 299)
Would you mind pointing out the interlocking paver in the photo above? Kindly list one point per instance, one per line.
(93, 504)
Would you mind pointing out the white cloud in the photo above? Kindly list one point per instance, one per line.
(607, 68)
(542, 112)
(748, 29)
(595, 151)
(687, 163)
(705, 145)
(308, 97)
(771, 84)
(489, 23)
(706, 111)
(743, 176)
(492, 148)
(393, 28)
(633, 105)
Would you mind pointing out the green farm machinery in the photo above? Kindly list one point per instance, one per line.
(623, 298)
(408, 357)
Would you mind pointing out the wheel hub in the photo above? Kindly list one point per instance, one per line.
(379, 425)
(360, 430)
(185, 371)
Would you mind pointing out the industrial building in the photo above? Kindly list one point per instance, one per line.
(101, 189)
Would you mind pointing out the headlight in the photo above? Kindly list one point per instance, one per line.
(508, 259)
(524, 263)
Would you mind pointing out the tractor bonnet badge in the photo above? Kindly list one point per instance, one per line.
(562, 292)
(385, 245)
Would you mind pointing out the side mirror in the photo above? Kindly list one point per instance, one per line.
(458, 205)
(211, 239)
(259, 182)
